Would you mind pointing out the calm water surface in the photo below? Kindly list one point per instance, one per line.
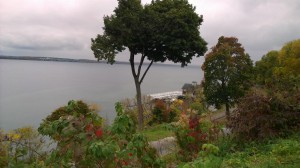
(31, 90)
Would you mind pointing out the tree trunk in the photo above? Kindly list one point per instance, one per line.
(138, 79)
(139, 104)
(137, 83)
(227, 111)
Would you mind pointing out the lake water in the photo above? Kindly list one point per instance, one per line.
(31, 90)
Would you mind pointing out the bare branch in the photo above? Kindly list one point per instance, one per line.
(141, 63)
(131, 60)
(146, 72)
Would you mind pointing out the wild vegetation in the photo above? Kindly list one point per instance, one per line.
(279, 152)
(83, 140)
(22, 147)
(261, 131)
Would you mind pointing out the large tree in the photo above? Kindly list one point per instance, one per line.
(227, 70)
(264, 69)
(280, 69)
(159, 31)
(289, 57)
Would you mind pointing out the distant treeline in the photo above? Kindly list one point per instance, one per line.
(47, 59)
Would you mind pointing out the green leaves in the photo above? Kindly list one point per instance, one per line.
(103, 49)
(175, 34)
(104, 150)
(138, 141)
(162, 30)
(264, 69)
(210, 149)
(119, 108)
(123, 127)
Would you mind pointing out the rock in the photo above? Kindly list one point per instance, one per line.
(164, 146)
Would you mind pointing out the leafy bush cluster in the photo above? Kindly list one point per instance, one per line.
(198, 107)
(83, 140)
(258, 117)
(163, 114)
(207, 157)
(73, 127)
(192, 132)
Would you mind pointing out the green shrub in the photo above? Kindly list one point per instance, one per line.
(198, 107)
(159, 112)
(83, 140)
(207, 157)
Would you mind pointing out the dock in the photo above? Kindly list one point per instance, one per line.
(166, 95)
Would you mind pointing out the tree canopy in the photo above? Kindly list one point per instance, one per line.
(163, 30)
(289, 57)
(264, 68)
(280, 69)
(227, 71)
(159, 31)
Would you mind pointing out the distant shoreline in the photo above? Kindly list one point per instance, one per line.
(48, 59)
(56, 59)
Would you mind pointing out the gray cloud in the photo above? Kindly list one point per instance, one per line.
(260, 25)
(64, 28)
(40, 39)
(51, 26)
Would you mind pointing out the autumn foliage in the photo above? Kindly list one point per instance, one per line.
(272, 108)
(161, 113)
(190, 136)
(260, 116)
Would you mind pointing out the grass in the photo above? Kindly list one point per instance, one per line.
(171, 160)
(279, 153)
(157, 132)
(275, 153)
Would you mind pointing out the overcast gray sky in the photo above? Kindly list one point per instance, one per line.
(63, 28)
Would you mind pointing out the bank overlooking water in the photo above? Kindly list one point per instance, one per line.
(31, 90)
